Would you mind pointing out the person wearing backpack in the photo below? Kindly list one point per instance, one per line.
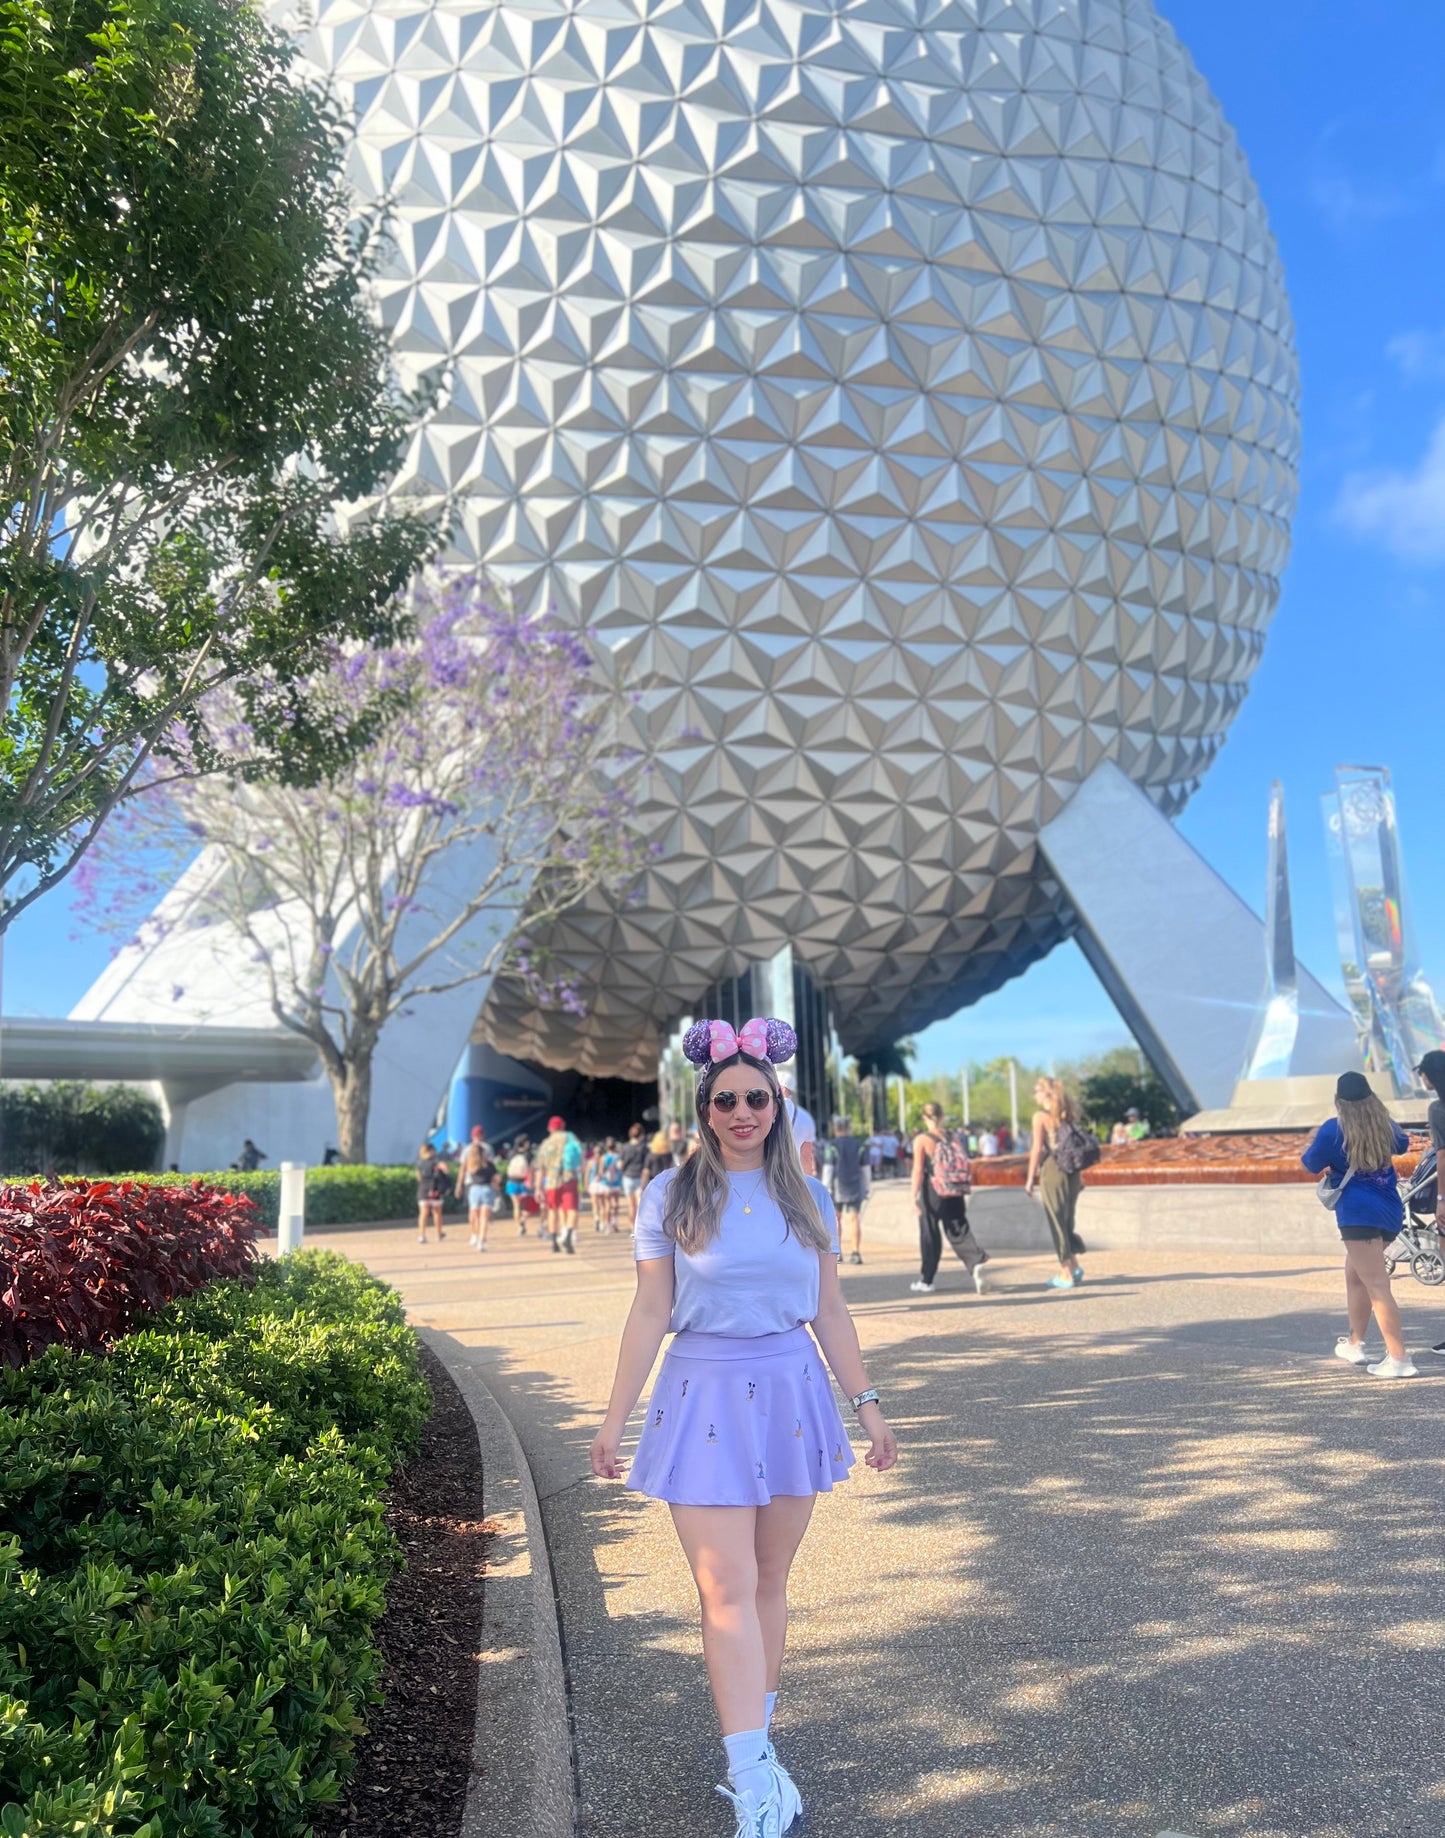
(559, 1172)
(941, 1180)
(1060, 1151)
(519, 1182)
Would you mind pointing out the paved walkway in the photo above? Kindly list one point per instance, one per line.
(1150, 1562)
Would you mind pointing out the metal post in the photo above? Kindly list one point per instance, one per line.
(291, 1221)
(1013, 1101)
(902, 1108)
(963, 1081)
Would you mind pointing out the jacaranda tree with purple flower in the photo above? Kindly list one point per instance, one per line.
(497, 756)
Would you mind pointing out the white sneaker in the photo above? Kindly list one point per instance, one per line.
(980, 1281)
(1352, 1350)
(472, 1241)
(920, 1288)
(1394, 1368)
(790, 1801)
(756, 1818)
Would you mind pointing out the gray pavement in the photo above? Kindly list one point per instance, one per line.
(1152, 1559)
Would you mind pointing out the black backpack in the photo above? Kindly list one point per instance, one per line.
(1074, 1149)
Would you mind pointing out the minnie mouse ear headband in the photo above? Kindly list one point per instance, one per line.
(707, 1042)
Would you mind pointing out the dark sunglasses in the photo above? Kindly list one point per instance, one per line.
(728, 1100)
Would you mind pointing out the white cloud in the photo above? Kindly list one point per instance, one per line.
(1403, 511)
(1347, 203)
(1419, 355)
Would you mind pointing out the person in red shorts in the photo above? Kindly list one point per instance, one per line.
(559, 1173)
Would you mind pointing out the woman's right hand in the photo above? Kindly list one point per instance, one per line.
(606, 1463)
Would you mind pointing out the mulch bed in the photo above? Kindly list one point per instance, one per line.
(414, 1763)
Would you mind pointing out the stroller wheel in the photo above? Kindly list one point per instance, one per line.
(1428, 1268)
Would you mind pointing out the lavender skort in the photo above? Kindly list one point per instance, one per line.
(733, 1421)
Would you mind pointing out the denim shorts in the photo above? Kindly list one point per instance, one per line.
(479, 1194)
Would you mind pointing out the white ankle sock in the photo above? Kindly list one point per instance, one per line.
(769, 1704)
(748, 1769)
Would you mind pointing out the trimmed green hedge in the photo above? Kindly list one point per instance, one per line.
(348, 1194)
(193, 1558)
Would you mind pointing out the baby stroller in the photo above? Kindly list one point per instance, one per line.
(1419, 1243)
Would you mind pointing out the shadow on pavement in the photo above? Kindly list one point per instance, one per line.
(1124, 1582)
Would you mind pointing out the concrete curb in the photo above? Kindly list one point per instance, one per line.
(522, 1779)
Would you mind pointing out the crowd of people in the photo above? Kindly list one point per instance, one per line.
(541, 1185)
(739, 1224)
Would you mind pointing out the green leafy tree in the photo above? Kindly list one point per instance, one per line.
(1121, 1079)
(72, 1128)
(193, 392)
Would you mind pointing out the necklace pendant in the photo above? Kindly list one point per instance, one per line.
(746, 1207)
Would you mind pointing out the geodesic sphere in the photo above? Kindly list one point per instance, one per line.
(903, 393)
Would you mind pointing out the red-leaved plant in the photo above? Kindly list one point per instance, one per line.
(79, 1263)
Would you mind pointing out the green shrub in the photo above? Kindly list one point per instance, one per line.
(72, 1128)
(193, 1558)
(349, 1194)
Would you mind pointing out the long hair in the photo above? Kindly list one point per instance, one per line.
(933, 1113)
(693, 1208)
(1368, 1132)
(1060, 1105)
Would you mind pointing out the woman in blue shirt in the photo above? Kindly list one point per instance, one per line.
(1357, 1146)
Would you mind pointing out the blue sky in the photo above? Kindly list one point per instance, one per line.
(1340, 109)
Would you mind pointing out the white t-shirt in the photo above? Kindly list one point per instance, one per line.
(754, 1278)
(804, 1128)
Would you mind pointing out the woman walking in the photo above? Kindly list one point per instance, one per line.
(1357, 1146)
(433, 1178)
(519, 1182)
(1058, 1191)
(940, 1186)
(737, 1254)
(478, 1175)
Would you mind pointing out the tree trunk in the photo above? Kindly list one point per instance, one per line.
(351, 1091)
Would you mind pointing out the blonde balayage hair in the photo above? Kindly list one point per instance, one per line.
(1368, 1131)
(692, 1211)
(1060, 1105)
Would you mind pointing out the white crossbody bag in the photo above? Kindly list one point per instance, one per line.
(1329, 1194)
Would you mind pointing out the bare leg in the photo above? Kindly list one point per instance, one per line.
(780, 1529)
(1368, 1260)
(1357, 1301)
(484, 1223)
(718, 1544)
(422, 1212)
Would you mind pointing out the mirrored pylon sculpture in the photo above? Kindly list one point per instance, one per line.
(1396, 1012)
(1279, 1022)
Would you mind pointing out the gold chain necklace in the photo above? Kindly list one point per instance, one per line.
(748, 1202)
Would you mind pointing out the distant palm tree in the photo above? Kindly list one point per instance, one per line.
(889, 1061)
(874, 1069)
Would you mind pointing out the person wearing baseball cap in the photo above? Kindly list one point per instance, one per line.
(477, 1176)
(1353, 1152)
(559, 1175)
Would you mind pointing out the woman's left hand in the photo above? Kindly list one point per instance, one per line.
(882, 1443)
